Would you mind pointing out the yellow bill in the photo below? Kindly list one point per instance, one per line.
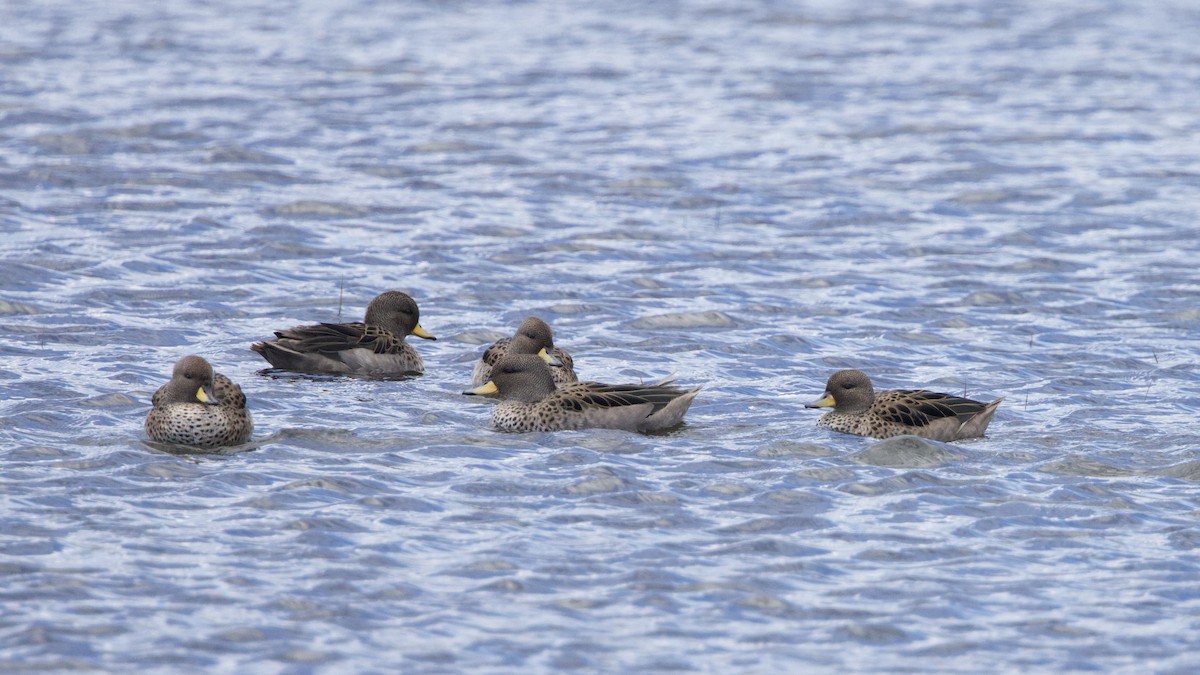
(486, 390)
(548, 357)
(825, 401)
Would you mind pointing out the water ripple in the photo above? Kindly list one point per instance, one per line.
(746, 197)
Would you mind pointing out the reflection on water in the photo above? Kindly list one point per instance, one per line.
(988, 200)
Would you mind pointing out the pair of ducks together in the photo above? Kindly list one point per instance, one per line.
(534, 380)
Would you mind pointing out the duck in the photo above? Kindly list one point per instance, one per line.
(533, 336)
(374, 346)
(530, 401)
(860, 410)
(199, 407)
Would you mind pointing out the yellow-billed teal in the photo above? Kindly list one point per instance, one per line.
(199, 407)
(531, 402)
(374, 346)
(859, 409)
(533, 336)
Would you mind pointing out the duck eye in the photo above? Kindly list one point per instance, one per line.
(848, 385)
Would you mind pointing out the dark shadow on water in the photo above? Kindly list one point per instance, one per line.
(907, 452)
(676, 430)
(277, 374)
(192, 451)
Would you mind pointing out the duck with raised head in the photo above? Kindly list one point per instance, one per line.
(860, 410)
(530, 401)
(373, 346)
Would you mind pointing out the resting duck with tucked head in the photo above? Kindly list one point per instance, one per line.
(199, 407)
(533, 336)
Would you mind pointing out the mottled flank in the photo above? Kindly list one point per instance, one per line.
(533, 336)
(531, 402)
(199, 408)
(374, 346)
(858, 409)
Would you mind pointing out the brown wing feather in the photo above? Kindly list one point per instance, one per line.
(617, 395)
(159, 395)
(228, 392)
(330, 338)
(492, 354)
(921, 408)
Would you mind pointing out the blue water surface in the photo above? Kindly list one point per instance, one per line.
(996, 199)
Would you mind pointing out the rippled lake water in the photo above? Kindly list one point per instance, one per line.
(990, 198)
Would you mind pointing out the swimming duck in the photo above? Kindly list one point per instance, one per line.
(374, 346)
(199, 408)
(531, 402)
(533, 336)
(858, 409)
